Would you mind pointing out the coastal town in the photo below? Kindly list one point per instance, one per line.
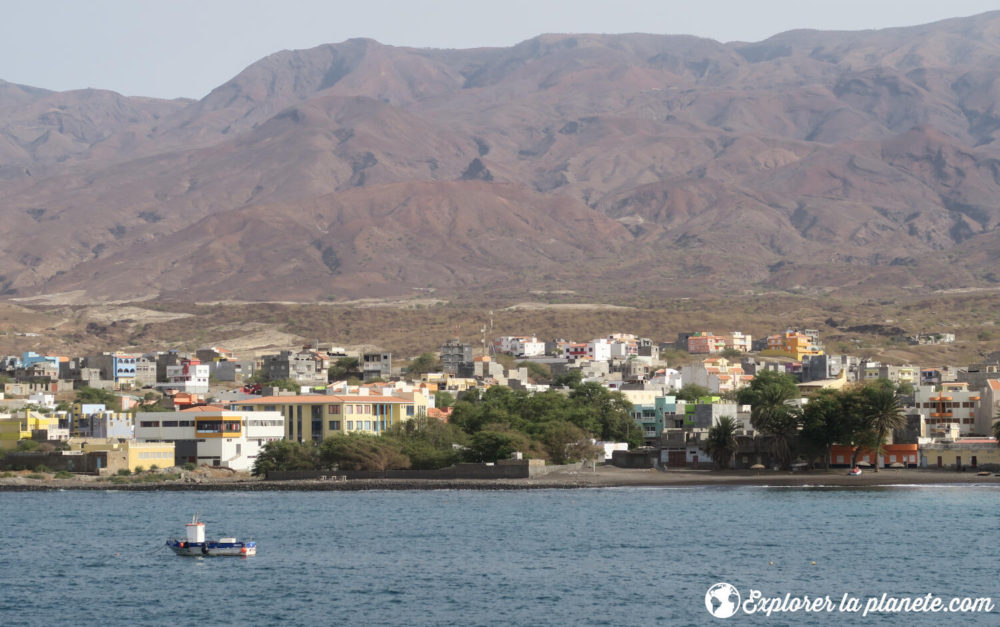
(509, 407)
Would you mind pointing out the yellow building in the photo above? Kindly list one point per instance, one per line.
(317, 416)
(131, 455)
(790, 344)
(965, 452)
(13, 430)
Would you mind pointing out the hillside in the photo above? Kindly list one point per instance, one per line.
(819, 162)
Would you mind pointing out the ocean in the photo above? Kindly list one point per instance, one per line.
(613, 556)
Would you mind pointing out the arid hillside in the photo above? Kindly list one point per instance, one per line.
(863, 163)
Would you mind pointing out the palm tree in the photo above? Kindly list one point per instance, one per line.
(721, 443)
(771, 415)
(883, 414)
(996, 427)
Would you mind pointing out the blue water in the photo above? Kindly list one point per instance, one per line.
(622, 556)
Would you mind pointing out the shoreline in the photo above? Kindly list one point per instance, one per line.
(605, 477)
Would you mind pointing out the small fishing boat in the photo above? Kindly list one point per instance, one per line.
(195, 543)
(855, 472)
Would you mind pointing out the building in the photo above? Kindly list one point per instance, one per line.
(101, 423)
(989, 407)
(189, 376)
(717, 374)
(212, 436)
(791, 344)
(456, 357)
(302, 367)
(129, 454)
(519, 346)
(376, 366)
(119, 368)
(954, 404)
(317, 416)
(960, 454)
(705, 343)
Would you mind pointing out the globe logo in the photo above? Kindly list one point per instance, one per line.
(722, 600)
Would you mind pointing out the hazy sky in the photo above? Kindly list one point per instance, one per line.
(175, 48)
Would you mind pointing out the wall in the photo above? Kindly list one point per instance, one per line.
(507, 469)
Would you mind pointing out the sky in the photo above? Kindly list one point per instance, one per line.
(186, 48)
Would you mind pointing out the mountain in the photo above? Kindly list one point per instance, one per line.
(823, 161)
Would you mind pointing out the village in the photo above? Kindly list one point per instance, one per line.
(609, 400)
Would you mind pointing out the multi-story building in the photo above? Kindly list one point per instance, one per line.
(190, 376)
(791, 344)
(212, 436)
(519, 346)
(456, 357)
(574, 350)
(705, 343)
(376, 366)
(717, 374)
(119, 368)
(317, 416)
(953, 405)
(303, 367)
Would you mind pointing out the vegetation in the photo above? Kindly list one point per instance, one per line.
(64, 474)
(423, 364)
(344, 368)
(770, 414)
(721, 443)
(692, 392)
(91, 395)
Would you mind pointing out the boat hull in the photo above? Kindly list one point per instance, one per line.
(212, 548)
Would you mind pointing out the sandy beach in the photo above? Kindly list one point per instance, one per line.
(206, 479)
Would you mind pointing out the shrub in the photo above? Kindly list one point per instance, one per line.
(64, 474)
(153, 468)
(139, 469)
(35, 475)
(124, 472)
(42, 468)
(189, 466)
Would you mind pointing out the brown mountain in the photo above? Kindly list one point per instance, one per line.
(812, 160)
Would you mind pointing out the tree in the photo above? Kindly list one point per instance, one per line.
(768, 395)
(96, 396)
(831, 417)
(692, 392)
(428, 442)
(424, 363)
(731, 353)
(344, 368)
(280, 455)
(562, 441)
(491, 445)
(361, 451)
(443, 398)
(996, 428)
(882, 413)
(721, 443)
(569, 379)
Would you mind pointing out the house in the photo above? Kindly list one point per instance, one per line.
(303, 367)
(376, 366)
(705, 342)
(989, 407)
(519, 346)
(717, 374)
(962, 453)
(211, 435)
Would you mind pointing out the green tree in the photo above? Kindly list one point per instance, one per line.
(721, 443)
(489, 445)
(731, 353)
(882, 413)
(443, 398)
(564, 442)
(422, 364)
(344, 368)
(996, 428)
(569, 379)
(768, 396)
(95, 396)
(285, 455)
(428, 442)
(362, 451)
(692, 392)
(831, 417)
(612, 412)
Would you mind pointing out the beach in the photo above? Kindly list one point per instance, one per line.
(208, 479)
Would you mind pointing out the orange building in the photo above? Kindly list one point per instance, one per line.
(906, 454)
(791, 344)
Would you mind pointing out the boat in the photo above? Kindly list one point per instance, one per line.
(855, 472)
(195, 544)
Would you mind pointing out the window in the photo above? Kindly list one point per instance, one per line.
(333, 409)
(368, 425)
(350, 425)
(169, 423)
(149, 423)
(334, 425)
(409, 410)
(348, 409)
(359, 409)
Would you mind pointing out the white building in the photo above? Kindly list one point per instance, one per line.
(519, 346)
(668, 378)
(599, 349)
(215, 437)
(953, 405)
(739, 341)
(190, 376)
